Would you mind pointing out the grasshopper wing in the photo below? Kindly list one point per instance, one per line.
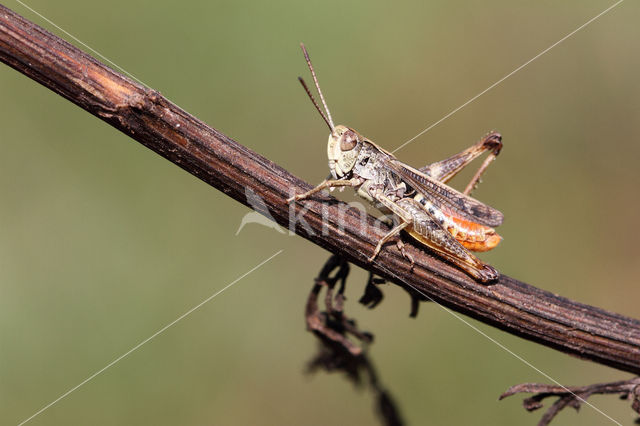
(446, 197)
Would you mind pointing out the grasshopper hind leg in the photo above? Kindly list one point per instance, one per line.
(426, 229)
(446, 169)
(429, 232)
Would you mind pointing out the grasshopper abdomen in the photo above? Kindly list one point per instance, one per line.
(473, 236)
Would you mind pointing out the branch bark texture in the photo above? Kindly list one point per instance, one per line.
(146, 116)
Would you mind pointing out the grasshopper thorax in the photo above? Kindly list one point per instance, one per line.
(342, 149)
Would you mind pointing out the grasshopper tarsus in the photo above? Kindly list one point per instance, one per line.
(493, 140)
(488, 274)
(401, 248)
(404, 253)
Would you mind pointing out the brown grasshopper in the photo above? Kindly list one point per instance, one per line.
(450, 222)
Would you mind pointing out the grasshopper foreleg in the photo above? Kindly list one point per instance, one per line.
(404, 217)
(325, 184)
(395, 231)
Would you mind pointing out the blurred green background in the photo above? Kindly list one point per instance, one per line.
(103, 242)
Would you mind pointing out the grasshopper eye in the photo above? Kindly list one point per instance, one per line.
(348, 141)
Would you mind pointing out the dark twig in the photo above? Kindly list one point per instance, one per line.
(332, 324)
(573, 396)
(336, 352)
(591, 333)
(373, 296)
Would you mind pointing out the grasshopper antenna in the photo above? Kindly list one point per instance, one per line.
(327, 118)
(306, 89)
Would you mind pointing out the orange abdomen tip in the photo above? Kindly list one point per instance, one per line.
(490, 242)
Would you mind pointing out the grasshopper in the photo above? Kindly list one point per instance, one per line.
(448, 221)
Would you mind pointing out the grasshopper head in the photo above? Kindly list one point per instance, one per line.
(343, 149)
(344, 143)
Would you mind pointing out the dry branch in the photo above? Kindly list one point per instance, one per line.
(573, 396)
(518, 308)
